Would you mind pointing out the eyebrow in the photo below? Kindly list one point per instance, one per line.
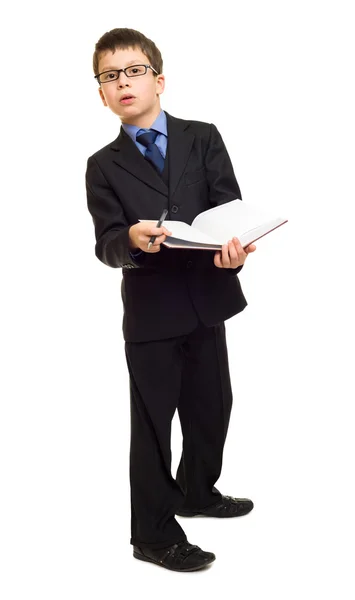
(131, 62)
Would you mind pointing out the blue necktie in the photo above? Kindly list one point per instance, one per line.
(152, 152)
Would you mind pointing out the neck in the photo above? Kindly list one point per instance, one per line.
(144, 120)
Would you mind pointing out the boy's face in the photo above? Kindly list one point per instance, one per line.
(145, 89)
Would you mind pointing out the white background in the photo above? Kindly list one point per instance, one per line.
(276, 78)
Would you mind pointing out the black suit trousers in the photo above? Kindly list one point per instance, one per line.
(189, 373)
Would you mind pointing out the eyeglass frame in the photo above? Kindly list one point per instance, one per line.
(118, 71)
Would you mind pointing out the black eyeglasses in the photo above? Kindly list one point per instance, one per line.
(133, 71)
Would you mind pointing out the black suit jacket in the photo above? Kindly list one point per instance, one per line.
(164, 293)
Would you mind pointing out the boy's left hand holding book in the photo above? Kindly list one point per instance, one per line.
(233, 255)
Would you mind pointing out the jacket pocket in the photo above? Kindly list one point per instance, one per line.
(195, 176)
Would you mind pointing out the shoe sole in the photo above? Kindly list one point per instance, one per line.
(211, 516)
(146, 559)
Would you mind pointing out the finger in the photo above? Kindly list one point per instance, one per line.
(240, 250)
(225, 256)
(159, 231)
(153, 248)
(152, 230)
(235, 260)
(233, 253)
(217, 259)
(159, 240)
(238, 246)
(166, 231)
(150, 249)
(250, 248)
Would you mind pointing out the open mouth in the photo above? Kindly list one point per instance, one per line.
(127, 99)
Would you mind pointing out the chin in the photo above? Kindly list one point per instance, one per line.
(127, 114)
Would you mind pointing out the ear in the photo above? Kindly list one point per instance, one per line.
(102, 96)
(160, 84)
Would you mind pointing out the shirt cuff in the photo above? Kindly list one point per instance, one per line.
(136, 253)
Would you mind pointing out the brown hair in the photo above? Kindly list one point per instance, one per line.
(127, 38)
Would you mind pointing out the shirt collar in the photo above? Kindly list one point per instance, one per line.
(159, 125)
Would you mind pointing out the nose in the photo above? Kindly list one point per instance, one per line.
(122, 80)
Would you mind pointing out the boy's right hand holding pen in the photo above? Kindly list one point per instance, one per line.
(148, 237)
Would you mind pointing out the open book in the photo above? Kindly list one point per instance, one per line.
(215, 226)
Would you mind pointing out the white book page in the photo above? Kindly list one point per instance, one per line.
(183, 231)
(235, 218)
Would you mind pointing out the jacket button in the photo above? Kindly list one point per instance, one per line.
(189, 264)
(174, 208)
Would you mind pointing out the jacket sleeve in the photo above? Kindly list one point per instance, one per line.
(222, 182)
(111, 227)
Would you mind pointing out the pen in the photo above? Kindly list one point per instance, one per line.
(159, 224)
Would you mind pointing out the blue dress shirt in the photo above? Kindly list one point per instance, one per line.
(158, 125)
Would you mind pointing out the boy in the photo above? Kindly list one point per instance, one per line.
(175, 301)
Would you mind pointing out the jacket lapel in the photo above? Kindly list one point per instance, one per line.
(180, 141)
(126, 154)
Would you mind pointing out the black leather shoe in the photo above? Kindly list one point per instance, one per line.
(179, 557)
(226, 507)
